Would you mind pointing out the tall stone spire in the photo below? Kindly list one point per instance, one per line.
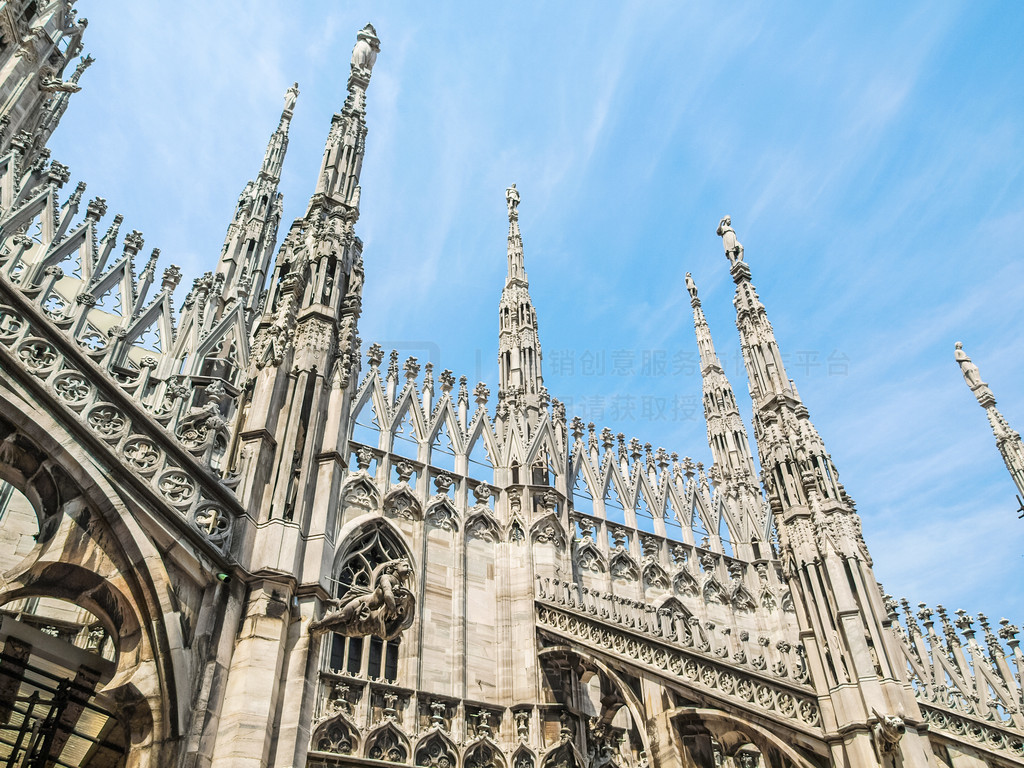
(252, 233)
(302, 373)
(519, 354)
(1007, 440)
(338, 181)
(854, 663)
(727, 434)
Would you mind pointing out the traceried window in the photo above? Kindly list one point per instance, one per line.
(365, 656)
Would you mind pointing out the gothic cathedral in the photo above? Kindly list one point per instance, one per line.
(233, 536)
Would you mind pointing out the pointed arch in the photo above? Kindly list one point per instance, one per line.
(673, 525)
(359, 495)
(436, 750)
(387, 743)
(441, 513)
(443, 447)
(623, 566)
(589, 558)
(724, 530)
(482, 525)
(523, 758)
(336, 736)
(614, 511)
(699, 521)
(405, 432)
(582, 496)
(483, 754)
(644, 514)
(401, 502)
(655, 577)
(479, 454)
(366, 421)
(366, 544)
(685, 583)
(548, 530)
(712, 590)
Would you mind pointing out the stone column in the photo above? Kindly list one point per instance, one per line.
(246, 723)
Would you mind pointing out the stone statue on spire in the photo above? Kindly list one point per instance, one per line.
(512, 198)
(691, 286)
(290, 96)
(365, 52)
(970, 371)
(733, 249)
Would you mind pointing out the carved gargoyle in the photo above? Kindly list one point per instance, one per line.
(386, 611)
(888, 731)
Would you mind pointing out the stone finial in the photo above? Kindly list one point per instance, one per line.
(375, 355)
(576, 427)
(733, 249)
(411, 368)
(96, 209)
(133, 242)
(172, 276)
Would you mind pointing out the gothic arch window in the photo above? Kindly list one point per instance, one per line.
(365, 656)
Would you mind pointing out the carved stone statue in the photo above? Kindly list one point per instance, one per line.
(888, 731)
(691, 286)
(290, 97)
(733, 249)
(385, 611)
(366, 49)
(512, 198)
(970, 371)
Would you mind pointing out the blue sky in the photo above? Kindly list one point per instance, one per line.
(870, 155)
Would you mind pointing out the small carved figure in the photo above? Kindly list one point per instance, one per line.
(512, 198)
(384, 612)
(691, 286)
(366, 49)
(290, 96)
(888, 731)
(970, 371)
(733, 249)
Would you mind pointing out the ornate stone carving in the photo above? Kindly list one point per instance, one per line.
(177, 487)
(888, 731)
(107, 421)
(73, 388)
(141, 454)
(384, 612)
(39, 356)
